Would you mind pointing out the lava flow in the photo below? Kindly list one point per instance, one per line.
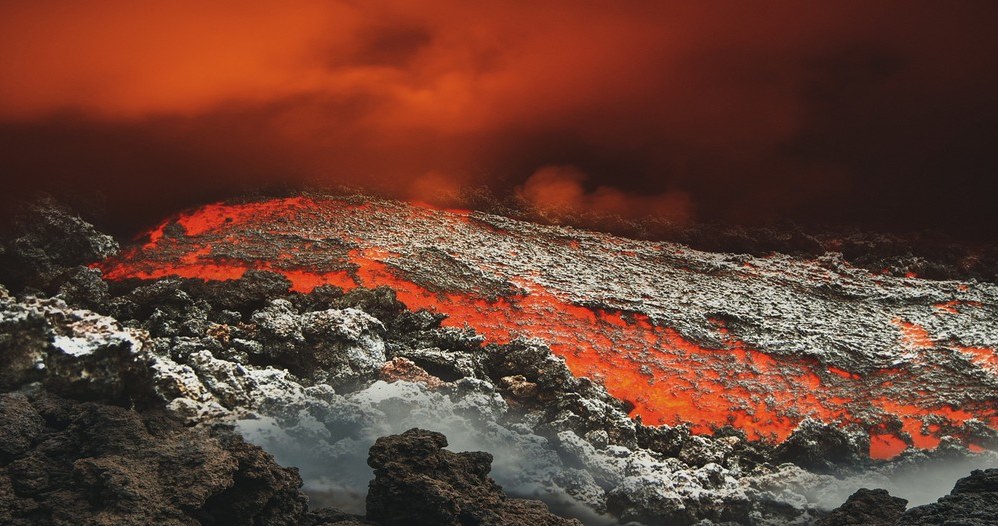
(684, 336)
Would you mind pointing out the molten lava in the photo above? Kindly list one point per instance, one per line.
(496, 276)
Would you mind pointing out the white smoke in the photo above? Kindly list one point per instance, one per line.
(331, 450)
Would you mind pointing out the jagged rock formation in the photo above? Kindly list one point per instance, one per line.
(418, 483)
(66, 462)
(868, 508)
(555, 436)
(973, 502)
(45, 241)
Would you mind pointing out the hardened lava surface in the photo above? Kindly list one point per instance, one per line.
(683, 336)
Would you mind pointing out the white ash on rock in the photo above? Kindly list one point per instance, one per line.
(302, 375)
(553, 436)
(89, 458)
(760, 342)
(72, 351)
(338, 345)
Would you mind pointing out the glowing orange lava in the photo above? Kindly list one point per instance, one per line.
(667, 377)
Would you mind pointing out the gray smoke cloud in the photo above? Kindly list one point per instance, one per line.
(331, 448)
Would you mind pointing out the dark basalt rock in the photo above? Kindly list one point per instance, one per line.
(417, 482)
(822, 447)
(69, 462)
(45, 241)
(973, 502)
(252, 291)
(869, 507)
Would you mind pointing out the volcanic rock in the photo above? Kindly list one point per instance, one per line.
(821, 447)
(45, 242)
(677, 336)
(68, 462)
(867, 507)
(973, 502)
(335, 346)
(553, 435)
(400, 368)
(417, 482)
(74, 352)
(315, 375)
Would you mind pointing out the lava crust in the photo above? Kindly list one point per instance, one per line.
(760, 344)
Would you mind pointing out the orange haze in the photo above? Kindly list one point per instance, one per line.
(751, 111)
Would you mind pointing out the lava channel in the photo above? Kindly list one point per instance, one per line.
(454, 262)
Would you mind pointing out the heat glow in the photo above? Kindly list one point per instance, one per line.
(667, 376)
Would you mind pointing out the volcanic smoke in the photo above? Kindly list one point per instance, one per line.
(874, 115)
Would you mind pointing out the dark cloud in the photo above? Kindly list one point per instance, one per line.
(874, 114)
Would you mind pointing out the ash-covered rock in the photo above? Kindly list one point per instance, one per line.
(316, 378)
(973, 502)
(337, 345)
(554, 436)
(417, 482)
(74, 352)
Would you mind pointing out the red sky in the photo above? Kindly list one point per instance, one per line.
(882, 114)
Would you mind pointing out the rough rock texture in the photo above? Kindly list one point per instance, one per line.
(973, 502)
(316, 378)
(868, 508)
(554, 436)
(74, 352)
(45, 242)
(760, 343)
(339, 345)
(821, 447)
(403, 369)
(417, 482)
(65, 463)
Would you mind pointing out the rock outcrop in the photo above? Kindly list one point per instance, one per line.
(66, 462)
(45, 242)
(973, 502)
(867, 507)
(418, 483)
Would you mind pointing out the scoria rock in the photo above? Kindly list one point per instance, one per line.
(417, 482)
(45, 242)
(74, 463)
(75, 352)
(973, 502)
(220, 353)
(867, 507)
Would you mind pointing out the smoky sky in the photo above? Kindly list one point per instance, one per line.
(873, 114)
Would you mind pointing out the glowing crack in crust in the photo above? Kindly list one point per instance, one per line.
(685, 336)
